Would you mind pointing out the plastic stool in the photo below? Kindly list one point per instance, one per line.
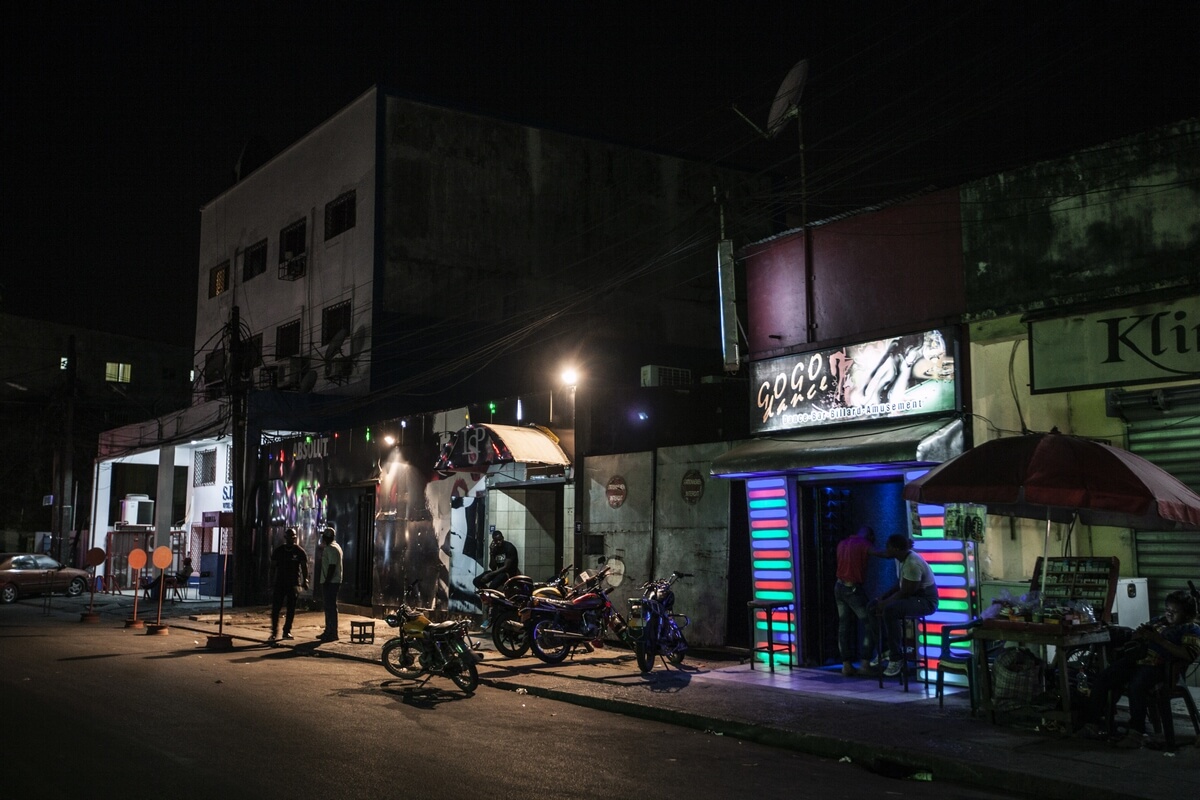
(768, 647)
(362, 631)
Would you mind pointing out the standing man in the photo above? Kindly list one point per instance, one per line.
(850, 592)
(290, 564)
(331, 581)
(914, 596)
(502, 564)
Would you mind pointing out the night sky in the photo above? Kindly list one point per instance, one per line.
(122, 119)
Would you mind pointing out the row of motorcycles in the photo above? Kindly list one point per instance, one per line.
(554, 619)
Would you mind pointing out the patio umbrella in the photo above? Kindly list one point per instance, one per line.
(1061, 478)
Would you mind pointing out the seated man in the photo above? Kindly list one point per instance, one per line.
(1173, 636)
(174, 582)
(914, 596)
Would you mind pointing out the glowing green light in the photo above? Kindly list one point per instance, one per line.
(768, 564)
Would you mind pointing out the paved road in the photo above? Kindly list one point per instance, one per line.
(103, 711)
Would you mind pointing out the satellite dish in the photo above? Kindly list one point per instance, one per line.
(357, 341)
(787, 99)
(308, 381)
(335, 343)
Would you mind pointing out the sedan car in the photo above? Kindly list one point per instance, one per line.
(31, 573)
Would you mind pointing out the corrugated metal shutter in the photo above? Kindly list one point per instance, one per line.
(1169, 559)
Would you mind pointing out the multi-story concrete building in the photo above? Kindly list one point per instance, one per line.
(399, 265)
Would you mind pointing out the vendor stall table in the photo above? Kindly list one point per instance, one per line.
(1063, 638)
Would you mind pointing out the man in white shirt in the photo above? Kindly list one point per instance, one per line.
(914, 596)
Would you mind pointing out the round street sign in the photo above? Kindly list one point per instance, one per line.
(616, 491)
(94, 556)
(692, 487)
(162, 557)
(137, 558)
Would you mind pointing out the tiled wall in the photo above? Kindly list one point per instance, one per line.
(528, 518)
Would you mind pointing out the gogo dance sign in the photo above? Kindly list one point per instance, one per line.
(898, 377)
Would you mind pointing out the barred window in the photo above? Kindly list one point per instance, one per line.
(293, 241)
(218, 279)
(116, 372)
(287, 340)
(335, 318)
(339, 215)
(254, 260)
(205, 471)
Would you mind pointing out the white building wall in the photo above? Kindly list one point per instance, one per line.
(337, 157)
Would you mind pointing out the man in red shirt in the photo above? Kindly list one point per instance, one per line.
(850, 591)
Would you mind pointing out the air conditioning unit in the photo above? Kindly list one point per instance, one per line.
(292, 267)
(137, 509)
(289, 372)
(656, 375)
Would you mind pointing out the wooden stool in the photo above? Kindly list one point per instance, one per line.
(362, 631)
(768, 647)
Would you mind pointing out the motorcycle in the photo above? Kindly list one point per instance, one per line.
(558, 627)
(502, 608)
(422, 647)
(661, 632)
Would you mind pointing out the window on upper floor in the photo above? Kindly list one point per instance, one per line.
(335, 318)
(218, 279)
(293, 246)
(254, 260)
(339, 215)
(116, 372)
(205, 468)
(287, 340)
(253, 351)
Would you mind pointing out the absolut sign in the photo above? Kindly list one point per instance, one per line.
(1117, 347)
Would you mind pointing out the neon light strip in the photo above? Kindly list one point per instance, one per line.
(772, 552)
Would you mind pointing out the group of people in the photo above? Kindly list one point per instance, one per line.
(914, 595)
(289, 563)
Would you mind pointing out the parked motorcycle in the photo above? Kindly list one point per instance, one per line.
(557, 627)
(661, 632)
(422, 647)
(502, 608)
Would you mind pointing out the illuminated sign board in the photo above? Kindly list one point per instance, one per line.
(904, 376)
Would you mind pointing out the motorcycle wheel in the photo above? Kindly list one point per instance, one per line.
(646, 648)
(463, 671)
(399, 660)
(512, 642)
(546, 645)
(678, 643)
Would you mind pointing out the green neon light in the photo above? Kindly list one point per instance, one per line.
(773, 564)
(777, 502)
(952, 605)
(779, 627)
(770, 533)
(947, 569)
(789, 596)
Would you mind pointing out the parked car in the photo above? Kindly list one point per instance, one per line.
(30, 573)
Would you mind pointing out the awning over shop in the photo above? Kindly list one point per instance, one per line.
(834, 450)
(515, 454)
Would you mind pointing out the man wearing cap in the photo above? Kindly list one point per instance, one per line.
(331, 581)
(290, 563)
(502, 565)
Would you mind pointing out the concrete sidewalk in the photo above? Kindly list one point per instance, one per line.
(812, 711)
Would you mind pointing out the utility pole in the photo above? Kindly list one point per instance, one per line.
(240, 546)
(63, 511)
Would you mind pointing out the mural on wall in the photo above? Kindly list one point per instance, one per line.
(459, 508)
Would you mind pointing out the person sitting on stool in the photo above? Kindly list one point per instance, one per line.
(172, 581)
(501, 566)
(914, 596)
